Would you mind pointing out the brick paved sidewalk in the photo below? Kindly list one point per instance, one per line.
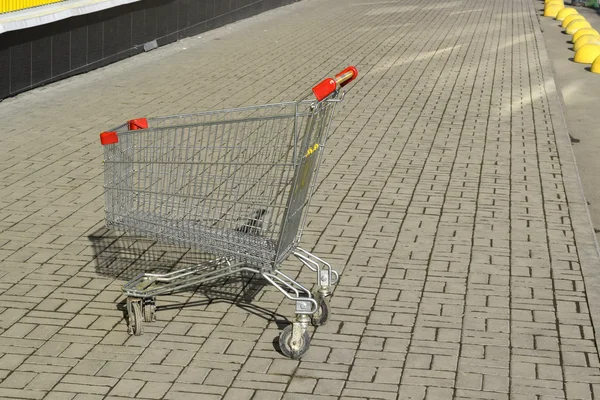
(448, 199)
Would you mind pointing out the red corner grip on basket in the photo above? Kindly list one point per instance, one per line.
(324, 89)
(139, 123)
(108, 138)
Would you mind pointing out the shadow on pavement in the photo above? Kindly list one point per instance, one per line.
(123, 257)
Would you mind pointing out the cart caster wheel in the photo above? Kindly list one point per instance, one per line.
(321, 317)
(291, 349)
(135, 319)
(149, 310)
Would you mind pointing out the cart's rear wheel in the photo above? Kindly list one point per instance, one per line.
(149, 310)
(135, 318)
(321, 317)
(290, 348)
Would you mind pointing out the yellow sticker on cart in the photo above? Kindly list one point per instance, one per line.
(311, 150)
(307, 166)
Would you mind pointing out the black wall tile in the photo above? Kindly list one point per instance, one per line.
(193, 13)
(79, 47)
(111, 38)
(137, 27)
(123, 32)
(4, 71)
(150, 24)
(20, 65)
(95, 42)
(162, 21)
(61, 53)
(183, 14)
(172, 16)
(41, 60)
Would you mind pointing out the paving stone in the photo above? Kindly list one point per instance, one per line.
(113, 369)
(127, 388)
(178, 358)
(21, 394)
(302, 385)
(60, 396)
(44, 381)
(88, 367)
(154, 390)
(17, 380)
(85, 396)
(81, 388)
(241, 394)
(329, 387)
(12, 361)
(193, 375)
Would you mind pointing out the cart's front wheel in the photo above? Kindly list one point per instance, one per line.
(321, 316)
(293, 348)
(135, 318)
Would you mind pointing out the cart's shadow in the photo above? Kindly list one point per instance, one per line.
(123, 257)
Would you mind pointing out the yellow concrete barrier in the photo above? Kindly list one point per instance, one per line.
(587, 54)
(551, 10)
(574, 26)
(565, 12)
(584, 32)
(570, 19)
(596, 66)
(554, 3)
(15, 5)
(586, 39)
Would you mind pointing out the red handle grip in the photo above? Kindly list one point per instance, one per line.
(346, 76)
(329, 85)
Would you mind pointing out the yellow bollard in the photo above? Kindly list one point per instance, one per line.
(596, 66)
(565, 12)
(551, 10)
(576, 25)
(571, 18)
(587, 54)
(583, 32)
(586, 39)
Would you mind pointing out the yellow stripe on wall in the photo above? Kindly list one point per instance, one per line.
(15, 5)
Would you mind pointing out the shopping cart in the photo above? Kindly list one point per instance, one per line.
(233, 183)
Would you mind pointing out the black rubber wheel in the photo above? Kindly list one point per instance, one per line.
(149, 309)
(136, 318)
(323, 311)
(293, 350)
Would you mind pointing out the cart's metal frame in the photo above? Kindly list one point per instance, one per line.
(263, 249)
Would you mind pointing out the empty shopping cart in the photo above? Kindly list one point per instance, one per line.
(233, 183)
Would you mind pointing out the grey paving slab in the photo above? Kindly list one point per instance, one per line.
(448, 199)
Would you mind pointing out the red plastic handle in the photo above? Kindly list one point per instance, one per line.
(346, 76)
(139, 123)
(329, 85)
(109, 138)
(112, 137)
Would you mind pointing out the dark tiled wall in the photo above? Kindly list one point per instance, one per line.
(37, 56)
